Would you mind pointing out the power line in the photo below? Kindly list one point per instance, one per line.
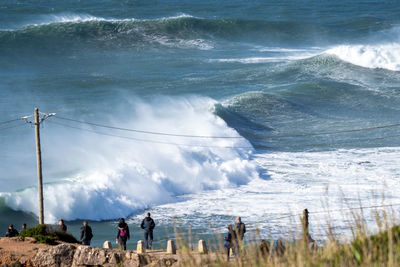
(9, 127)
(327, 144)
(148, 132)
(337, 210)
(146, 140)
(9, 121)
(326, 133)
(231, 137)
(356, 208)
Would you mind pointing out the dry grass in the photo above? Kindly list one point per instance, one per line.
(364, 249)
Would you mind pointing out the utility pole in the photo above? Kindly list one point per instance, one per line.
(39, 166)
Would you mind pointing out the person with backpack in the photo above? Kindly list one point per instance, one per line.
(86, 233)
(148, 226)
(122, 234)
(240, 228)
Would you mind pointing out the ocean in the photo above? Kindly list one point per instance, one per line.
(198, 112)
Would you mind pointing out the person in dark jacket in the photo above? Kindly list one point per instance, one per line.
(122, 234)
(11, 232)
(230, 240)
(86, 233)
(148, 226)
(63, 227)
(240, 228)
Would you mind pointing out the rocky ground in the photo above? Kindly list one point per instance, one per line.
(19, 251)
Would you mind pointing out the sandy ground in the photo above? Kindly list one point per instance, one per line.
(17, 248)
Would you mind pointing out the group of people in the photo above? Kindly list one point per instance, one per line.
(235, 237)
(86, 231)
(123, 234)
(11, 231)
(232, 241)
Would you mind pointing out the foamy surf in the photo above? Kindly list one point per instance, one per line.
(385, 56)
(331, 183)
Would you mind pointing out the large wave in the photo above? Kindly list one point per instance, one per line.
(118, 177)
(383, 56)
(181, 31)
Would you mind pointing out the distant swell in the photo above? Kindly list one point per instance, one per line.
(183, 31)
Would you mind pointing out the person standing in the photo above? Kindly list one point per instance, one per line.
(122, 234)
(230, 241)
(86, 233)
(240, 228)
(148, 226)
(63, 227)
(23, 227)
(11, 232)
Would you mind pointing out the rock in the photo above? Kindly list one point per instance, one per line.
(140, 247)
(59, 256)
(131, 259)
(107, 244)
(86, 255)
(202, 247)
(171, 247)
(150, 260)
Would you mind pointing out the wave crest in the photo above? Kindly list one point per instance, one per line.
(385, 56)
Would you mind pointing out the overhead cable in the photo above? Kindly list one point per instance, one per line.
(146, 140)
(326, 133)
(9, 127)
(9, 121)
(149, 132)
(231, 137)
(336, 210)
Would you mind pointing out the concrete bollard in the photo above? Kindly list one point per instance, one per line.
(203, 247)
(171, 249)
(107, 244)
(140, 247)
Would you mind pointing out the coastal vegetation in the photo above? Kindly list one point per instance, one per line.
(381, 248)
(45, 234)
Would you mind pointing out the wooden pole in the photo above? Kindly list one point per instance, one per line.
(304, 224)
(39, 166)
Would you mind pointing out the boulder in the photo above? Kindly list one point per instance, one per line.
(171, 247)
(140, 247)
(86, 255)
(58, 256)
(202, 247)
(107, 244)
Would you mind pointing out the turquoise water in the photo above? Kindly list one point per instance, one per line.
(270, 74)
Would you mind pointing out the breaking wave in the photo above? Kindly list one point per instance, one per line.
(118, 177)
(385, 56)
